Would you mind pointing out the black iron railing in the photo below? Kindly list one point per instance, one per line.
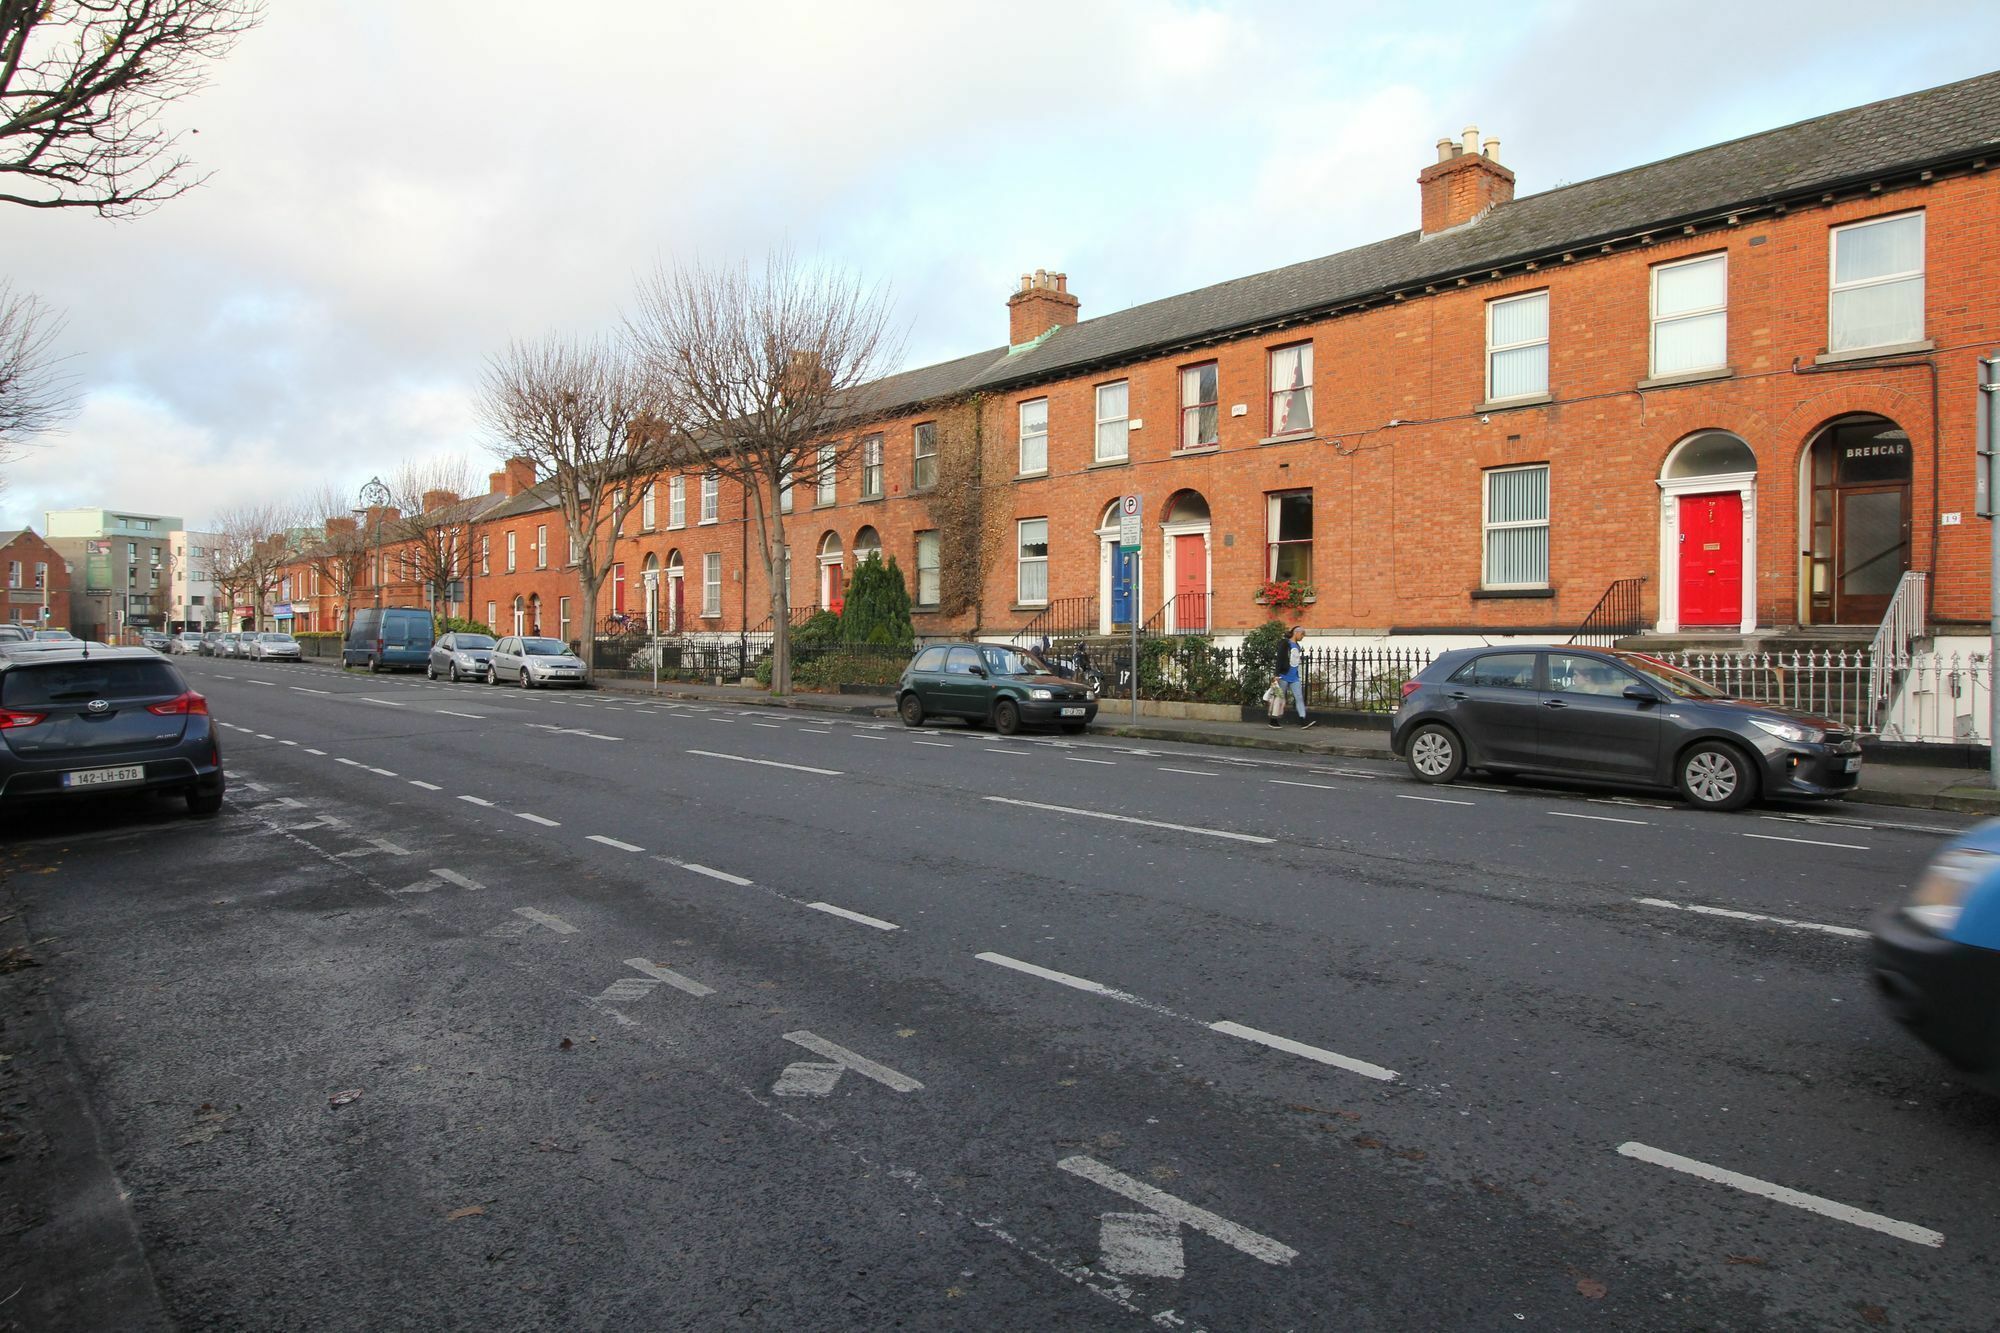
(1064, 618)
(1183, 613)
(1617, 614)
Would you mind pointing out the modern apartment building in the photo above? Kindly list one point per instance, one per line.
(119, 563)
(192, 596)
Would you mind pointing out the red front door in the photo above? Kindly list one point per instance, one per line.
(1190, 581)
(1711, 569)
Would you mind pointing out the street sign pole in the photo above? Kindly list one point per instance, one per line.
(1130, 538)
(1989, 443)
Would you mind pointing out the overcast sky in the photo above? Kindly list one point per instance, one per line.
(399, 187)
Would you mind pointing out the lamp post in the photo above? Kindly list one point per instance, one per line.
(375, 497)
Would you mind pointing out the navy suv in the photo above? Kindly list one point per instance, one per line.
(1614, 717)
(74, 721)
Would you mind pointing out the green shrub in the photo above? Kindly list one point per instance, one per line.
(877, 609)
(820, 629)
(830, 671)
(463, 625)
(1262, 656)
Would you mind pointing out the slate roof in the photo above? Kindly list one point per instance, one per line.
(1954, 122)
(538, 497)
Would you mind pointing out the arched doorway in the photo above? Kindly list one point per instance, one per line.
(1117, 576)
(1185, 529)
(520, 615)
(534, 613)
(1856, 520)
(1708, 534)
(832, 572)
(676, 582)
(867, 542)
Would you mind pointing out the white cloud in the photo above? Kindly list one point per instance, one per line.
(398, 188)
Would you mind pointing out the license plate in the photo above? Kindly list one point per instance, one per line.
(103, 777)
(1072, 712)
(1854, 764)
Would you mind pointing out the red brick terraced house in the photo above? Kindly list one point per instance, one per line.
(1736, 385)
(37, 575)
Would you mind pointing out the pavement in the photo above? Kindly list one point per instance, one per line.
(482, 1007)
(1902, 783)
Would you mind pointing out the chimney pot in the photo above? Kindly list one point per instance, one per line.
(1043, 303)
(1462, 185)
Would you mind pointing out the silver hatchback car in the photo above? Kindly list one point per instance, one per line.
(529, 662)
(271, 647)
(460, 656)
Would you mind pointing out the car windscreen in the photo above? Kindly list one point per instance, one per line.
(470, 642)
(78, 682)
(544, 647)
(1008, 662)
(276, 638)
(1671, 679)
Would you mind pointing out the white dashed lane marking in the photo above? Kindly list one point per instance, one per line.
(538, 819)
(1434, 800)
(699, 869)
(613, 842)
(1848, 932)
(1602, 819)
(1129, 819)
(1808, 842)
(476, 800)
(1764, 1189)
(427, 786)
(1318, 1053)
(767, 763)
(875, 921)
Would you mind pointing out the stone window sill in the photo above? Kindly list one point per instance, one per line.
(1689, 377)
(1114, 462)
(1287, 437)
(1262, 601)
(1511, 594)
(871, 499)
(1199, 449)
(1028, 606)
(1871, 353)
(1509, 404)
(922, 610)
(1031, 476)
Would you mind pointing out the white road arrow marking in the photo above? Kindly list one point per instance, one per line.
(807, 1078)
(555, 923)
(860, 1064)
(1140, 1245)
(671, 977)
(1242, 1238)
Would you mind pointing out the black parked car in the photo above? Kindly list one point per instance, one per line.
(79, 720)
(1615, 717)
(985, 682)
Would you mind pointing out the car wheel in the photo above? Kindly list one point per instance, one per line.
(1075, 728)
(204, 804)
(911, 710)
(1435, 754)
(374, 666)
(491, 677)
(451, 674)
(1715, 776)
(526, 684)
(1007, 717)
(430, 670)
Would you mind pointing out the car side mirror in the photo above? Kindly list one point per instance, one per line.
(978, 670)
(1643, 693)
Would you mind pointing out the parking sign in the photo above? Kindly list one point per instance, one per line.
(1128, 522)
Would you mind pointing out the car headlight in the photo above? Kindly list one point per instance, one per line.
(467, 659)
(1940, 896)
(1787, 731)
(1040, 694)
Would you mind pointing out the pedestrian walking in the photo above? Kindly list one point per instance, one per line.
(1293, 660)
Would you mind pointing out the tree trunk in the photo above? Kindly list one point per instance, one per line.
(781, 602)
(587, 595)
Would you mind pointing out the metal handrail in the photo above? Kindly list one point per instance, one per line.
(1173, 612)
(1064, 618)
(1617, 613)
(1889, 655)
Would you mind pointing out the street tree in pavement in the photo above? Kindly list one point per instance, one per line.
(343, 544)
(766, 363)
(594, 418)
(251, 549)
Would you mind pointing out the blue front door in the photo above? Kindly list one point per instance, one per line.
(1121, 586)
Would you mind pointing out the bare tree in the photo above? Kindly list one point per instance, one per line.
(343, 547)
(594, 419)
(34, 394)
(430, 530)
(82, 86)
(251, 549)
(767, 364)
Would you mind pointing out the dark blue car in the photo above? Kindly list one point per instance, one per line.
(1937, 956)
(79, 721)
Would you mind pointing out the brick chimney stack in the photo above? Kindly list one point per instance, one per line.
(1043, 303)
(1465, 181)
(436, 500)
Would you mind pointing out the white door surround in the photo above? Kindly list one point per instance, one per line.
(1672, 490)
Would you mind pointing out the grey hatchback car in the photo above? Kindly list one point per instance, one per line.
(1614, 717)
(528, 661)
(84, 720)
(459, 655)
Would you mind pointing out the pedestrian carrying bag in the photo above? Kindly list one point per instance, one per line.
(1274, 698)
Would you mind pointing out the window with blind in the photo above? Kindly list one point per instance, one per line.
(1877, 289)
(1691, 315)
(827, 491)
(1034, 436)
(1113, 421)
(649, 507)
(929, 584)
(711, 584)
(1031, 585)
(677, 502)
(1517, 346)
(1516, 528)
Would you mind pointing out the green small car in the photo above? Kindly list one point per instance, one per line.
(987, 682)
